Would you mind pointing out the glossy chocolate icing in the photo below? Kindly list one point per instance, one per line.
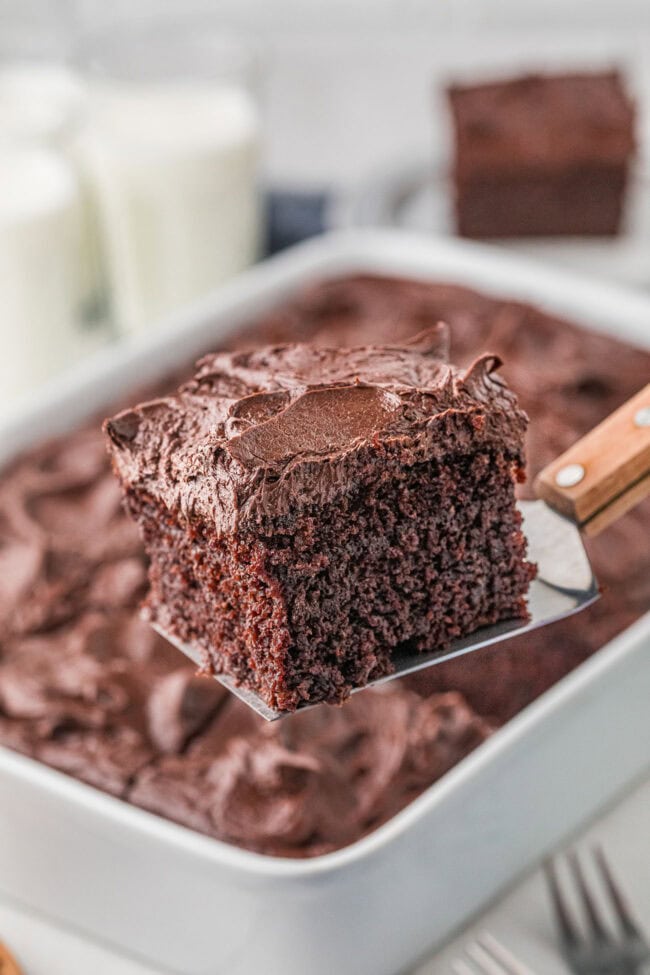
(269, 430)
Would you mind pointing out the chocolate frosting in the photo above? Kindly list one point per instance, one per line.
(543, 121)
(79, 671)
(320, 779)
(257, 433)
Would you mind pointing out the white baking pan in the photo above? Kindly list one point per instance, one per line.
(191, 905)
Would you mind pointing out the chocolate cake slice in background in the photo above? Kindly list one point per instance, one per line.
(542, 155)
(309, 512)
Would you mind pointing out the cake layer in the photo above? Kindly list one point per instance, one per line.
(324, 606)
(584, 202)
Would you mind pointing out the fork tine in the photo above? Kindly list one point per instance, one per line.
(460, 967)
(621, 908)
(569, 933)
(500, 953)
(484, 961)
(598, 929)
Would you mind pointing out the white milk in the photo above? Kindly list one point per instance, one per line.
(173, 170)
(41, 105)
(40, 250)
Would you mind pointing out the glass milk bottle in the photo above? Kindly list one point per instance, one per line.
(170, 152)
(47, 278)
(40, 251)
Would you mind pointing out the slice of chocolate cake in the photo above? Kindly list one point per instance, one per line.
(309, 512)
(542, 155)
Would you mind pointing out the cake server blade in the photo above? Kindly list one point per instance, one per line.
(565, 584)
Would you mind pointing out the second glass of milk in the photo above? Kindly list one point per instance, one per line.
(170, 151)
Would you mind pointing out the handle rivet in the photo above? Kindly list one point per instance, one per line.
(570, 475)
(642, 417)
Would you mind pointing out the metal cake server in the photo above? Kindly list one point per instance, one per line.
(582, 492)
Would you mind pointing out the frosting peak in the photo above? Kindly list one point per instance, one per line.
(319, 420)
(261, 432)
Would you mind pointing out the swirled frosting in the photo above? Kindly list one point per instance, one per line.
(265, 431)
(317, 780)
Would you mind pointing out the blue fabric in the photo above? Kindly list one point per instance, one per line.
(292, 217)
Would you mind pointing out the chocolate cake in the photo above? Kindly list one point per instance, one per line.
(90, 689)
(310, 512)
(541, 155)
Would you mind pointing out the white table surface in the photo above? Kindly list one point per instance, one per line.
(521, 919)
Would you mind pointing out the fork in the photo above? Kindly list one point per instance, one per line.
(599, 952)
(489, 957)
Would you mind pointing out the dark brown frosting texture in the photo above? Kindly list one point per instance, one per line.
(541, 120)
(255, 432)
(320, 779)
(319, 420)
(79, 670)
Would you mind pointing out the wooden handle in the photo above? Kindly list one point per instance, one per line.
(606, 473)
(8, 964)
